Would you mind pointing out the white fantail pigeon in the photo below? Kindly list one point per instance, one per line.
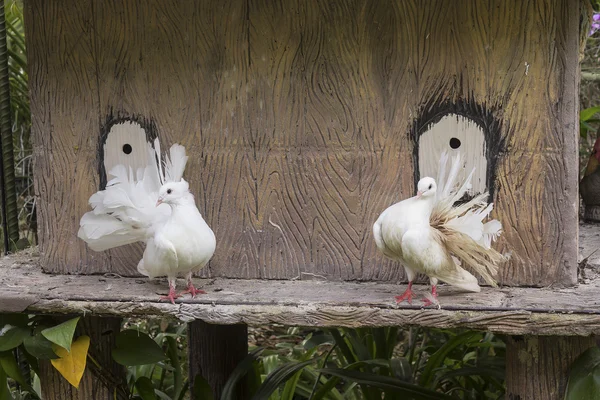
(152, 205)
(430, 233)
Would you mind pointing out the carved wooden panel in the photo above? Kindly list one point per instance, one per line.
(303, 118)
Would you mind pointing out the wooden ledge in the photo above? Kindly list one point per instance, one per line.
(547, 311)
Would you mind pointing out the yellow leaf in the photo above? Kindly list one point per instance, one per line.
(71, 365)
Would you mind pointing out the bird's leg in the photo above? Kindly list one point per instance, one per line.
(191, 289)
(172, 295)
(427, 301)
(407, 295)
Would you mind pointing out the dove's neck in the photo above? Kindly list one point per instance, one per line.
(426, 206)
(183, 202)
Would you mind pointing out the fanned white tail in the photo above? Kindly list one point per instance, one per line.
(125, 212)
(462, 226)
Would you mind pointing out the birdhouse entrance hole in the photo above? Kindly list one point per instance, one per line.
(455, 133)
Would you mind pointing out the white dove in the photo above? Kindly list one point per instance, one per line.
(152, 205)
(430, 234)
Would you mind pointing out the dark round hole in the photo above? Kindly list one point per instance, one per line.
(127, 148)
(455, 143)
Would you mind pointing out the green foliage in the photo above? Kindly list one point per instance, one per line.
(12, 337)
(136, 348)
(371, 363)
(167, 343)
(62, 334)
(584, 378)
(587, 122)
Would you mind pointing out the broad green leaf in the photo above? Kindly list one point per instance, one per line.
(62, 335)
(136, 348)
(4, 390)
(584, 378)
(387, 384)
(9, 365)
(39, 347)
(13, 337)
(71, 364)
(145, 388)
(588, 113)
(246, 365)
(201, 389)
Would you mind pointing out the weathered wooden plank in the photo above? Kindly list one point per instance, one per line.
(311, 301)
(64, 107)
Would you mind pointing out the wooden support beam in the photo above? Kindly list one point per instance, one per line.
(537, 367)
(107, 382)
(214, 352)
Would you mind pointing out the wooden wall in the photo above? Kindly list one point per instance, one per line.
(301, 118)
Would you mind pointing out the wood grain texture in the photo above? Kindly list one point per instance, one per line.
(302, 121)
(214, 352)
(517, 311)
(538, 367)
(105, 383)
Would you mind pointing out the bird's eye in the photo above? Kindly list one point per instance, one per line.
(169, 191)
(430, 186)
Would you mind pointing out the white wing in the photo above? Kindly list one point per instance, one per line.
(125, 212)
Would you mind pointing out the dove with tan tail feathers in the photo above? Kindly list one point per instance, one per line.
(152, 205)
(429, 233)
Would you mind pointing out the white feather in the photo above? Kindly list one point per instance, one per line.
(435, 235)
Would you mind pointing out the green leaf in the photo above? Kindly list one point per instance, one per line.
(584, 378)
(13, 337)
(277, 378)
(39, 347)
(4, 390)
(62, 335)
(588, 113)
(11, 368)
(32, 361)
(437, 359)
(401, 369)
(201, 389)
(136, 348)
(145, 388)
(317, 340)
(176, 364)
(386, 384)
(238, 373)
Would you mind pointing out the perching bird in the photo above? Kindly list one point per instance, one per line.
(152, 205)
(429, 233)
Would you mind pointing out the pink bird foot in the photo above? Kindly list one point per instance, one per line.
(171, 296)
(427, 301)
(407, 295)
(191, 289)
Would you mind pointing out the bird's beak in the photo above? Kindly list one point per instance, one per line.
(419, 194)
(159, 202)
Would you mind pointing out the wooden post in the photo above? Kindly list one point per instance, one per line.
(537, 367)
(105, 383)
(214, 352)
